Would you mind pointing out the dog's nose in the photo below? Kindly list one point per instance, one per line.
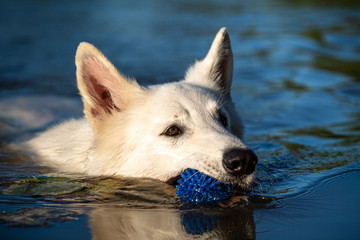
(239, 161)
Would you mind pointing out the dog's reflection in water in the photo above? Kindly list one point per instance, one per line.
(125, 223)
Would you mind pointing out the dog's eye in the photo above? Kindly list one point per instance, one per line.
(223, 119)
(173, 131)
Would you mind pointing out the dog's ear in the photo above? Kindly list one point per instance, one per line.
(216, 69)
(103, 89)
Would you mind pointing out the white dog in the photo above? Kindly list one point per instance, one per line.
(153, 132)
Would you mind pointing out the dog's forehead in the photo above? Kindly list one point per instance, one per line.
(184, 95)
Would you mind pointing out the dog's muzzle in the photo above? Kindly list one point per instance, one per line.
(239, 162)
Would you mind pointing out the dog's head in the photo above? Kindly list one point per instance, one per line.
(161, 130)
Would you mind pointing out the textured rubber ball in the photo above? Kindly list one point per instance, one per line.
(197, 188)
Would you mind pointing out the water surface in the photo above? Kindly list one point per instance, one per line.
(296, 85)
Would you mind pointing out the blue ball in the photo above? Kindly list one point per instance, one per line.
(197, 188)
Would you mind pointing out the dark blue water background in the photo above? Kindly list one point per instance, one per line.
(296, 85)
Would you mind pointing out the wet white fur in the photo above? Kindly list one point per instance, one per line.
(123, 135)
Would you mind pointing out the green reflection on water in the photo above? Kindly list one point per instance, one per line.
(347, 67)
(344, 3)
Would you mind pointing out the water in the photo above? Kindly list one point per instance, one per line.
(296, 84)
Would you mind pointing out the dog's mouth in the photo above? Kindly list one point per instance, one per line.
(174, 180)
(236, 186)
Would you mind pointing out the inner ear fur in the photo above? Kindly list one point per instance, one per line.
(103, 89)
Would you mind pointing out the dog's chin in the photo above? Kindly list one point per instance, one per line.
(241, 183)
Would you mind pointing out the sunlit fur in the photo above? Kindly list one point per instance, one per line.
(122, 133)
